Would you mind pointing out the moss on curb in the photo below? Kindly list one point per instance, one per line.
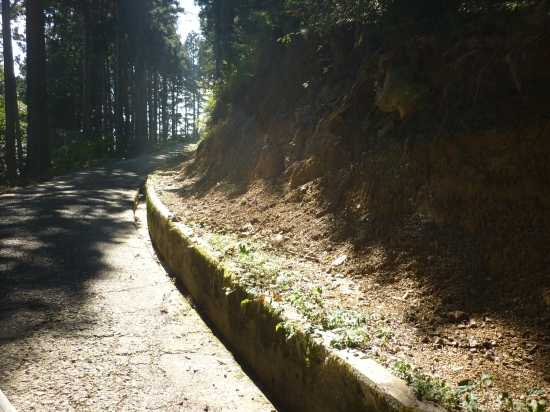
(302, 373)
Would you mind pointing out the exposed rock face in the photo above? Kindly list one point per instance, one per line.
(270, 164)
(397, 88)
(305, 171)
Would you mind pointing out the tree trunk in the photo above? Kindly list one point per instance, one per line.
(131, 109)
(185, 115)
(198, 110)
(105, 91)
(140, 95)
(227, 17)
(19, 145)
(119, 119)
(150, 105)
(173, 114)
(217, 46)
(194, 115)
(155, 107)
(11, 93)
(164, 107)
(109, 99)
(106, 80)
(38, 157)
(87, 72)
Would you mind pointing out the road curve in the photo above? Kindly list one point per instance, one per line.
(89, 321)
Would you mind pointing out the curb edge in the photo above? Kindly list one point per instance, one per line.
(293, 369)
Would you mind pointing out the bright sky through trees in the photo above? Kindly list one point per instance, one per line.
(189, 21)
(104, 80)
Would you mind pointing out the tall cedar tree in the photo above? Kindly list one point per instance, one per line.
(38, 153)
(87, 74)
(114, 74)
(11, 92)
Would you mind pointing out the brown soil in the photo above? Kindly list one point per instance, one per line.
(425, 161)
(414, 287)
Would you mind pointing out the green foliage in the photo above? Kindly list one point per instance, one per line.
(354, 337)
(264, 278)
(465, 395)
(426, 387)
(342, 318)
(133, 57)
(349, 326)
(80, 154)
(465, 386)
(245, 248)
(470, 403)
(534, 402)
(288, 328)
(324, 16)
(331, 14)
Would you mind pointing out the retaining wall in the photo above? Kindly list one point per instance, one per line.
(300, 371)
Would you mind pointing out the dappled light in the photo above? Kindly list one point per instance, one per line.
(58, 243)
(395, 155)
(370, 175)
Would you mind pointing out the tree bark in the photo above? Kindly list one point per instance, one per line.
(38, 152)
(164, 107)
(19, 144)
(11, 93)
(106, 80)
(119, 86)
(173, 114)
(194, 115)
(140, 82)
(87, 72)
(227, 17)
(155, 107)
(185, 115)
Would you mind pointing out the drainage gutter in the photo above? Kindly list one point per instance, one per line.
(302, 372)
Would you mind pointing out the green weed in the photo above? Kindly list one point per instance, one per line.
(354, 337)
(534, 402)
(288, 328)
(465, 395)
(245, 248)
(425, 387)
(263, 276)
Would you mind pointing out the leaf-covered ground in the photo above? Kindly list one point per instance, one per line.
(376, 301)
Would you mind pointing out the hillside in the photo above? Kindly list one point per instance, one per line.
(404, 172)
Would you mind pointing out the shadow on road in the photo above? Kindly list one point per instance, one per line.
(53, 241)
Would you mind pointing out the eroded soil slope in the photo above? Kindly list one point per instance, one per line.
(425, 163)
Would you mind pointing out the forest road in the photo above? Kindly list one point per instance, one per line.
(89, 321)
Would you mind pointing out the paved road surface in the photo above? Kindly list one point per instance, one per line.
(88, 320)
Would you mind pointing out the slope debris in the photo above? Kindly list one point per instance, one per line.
(404, 175)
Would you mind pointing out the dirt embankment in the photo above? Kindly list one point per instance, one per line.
(427, 161)
(421, 146)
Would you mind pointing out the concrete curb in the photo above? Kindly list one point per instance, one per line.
(301, 372)
(5, 405)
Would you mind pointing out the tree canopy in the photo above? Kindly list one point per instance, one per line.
(113, 75)
(116, 79)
